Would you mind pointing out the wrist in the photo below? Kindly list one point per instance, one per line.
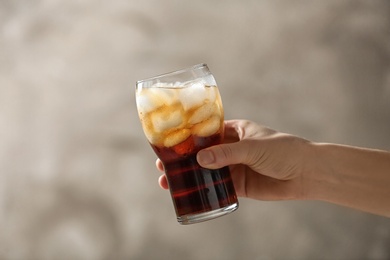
(320, 177)
(350, 176)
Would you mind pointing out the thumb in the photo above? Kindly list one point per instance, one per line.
(222, 155)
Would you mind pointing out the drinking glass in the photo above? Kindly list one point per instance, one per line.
(181, 113)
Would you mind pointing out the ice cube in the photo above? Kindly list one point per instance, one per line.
(153, 137)
(203, 113)
(177, 137)
(166, 96)
(209, 80)
(145, 103)
(208, 127)
(192, 95)
(149, 99)
(212, 93)
(162, 85)
(166, 118)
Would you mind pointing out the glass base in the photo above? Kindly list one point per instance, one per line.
(196, 218)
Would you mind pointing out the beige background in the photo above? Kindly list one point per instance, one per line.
(77, 177)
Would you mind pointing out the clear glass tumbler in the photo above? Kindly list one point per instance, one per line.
(181, 113)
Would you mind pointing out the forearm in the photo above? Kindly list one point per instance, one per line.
(353, 177)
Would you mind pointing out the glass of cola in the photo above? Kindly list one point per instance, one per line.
(181, 113)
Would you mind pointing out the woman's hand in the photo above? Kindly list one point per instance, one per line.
(265, 164)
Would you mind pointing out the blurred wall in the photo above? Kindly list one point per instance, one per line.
(77, 177)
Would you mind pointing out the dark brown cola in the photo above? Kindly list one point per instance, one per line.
(195, 189)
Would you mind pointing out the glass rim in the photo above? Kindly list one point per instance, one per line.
(175, 72)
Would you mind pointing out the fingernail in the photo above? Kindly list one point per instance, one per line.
(206, 157)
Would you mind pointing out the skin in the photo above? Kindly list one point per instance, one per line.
(269, 165)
